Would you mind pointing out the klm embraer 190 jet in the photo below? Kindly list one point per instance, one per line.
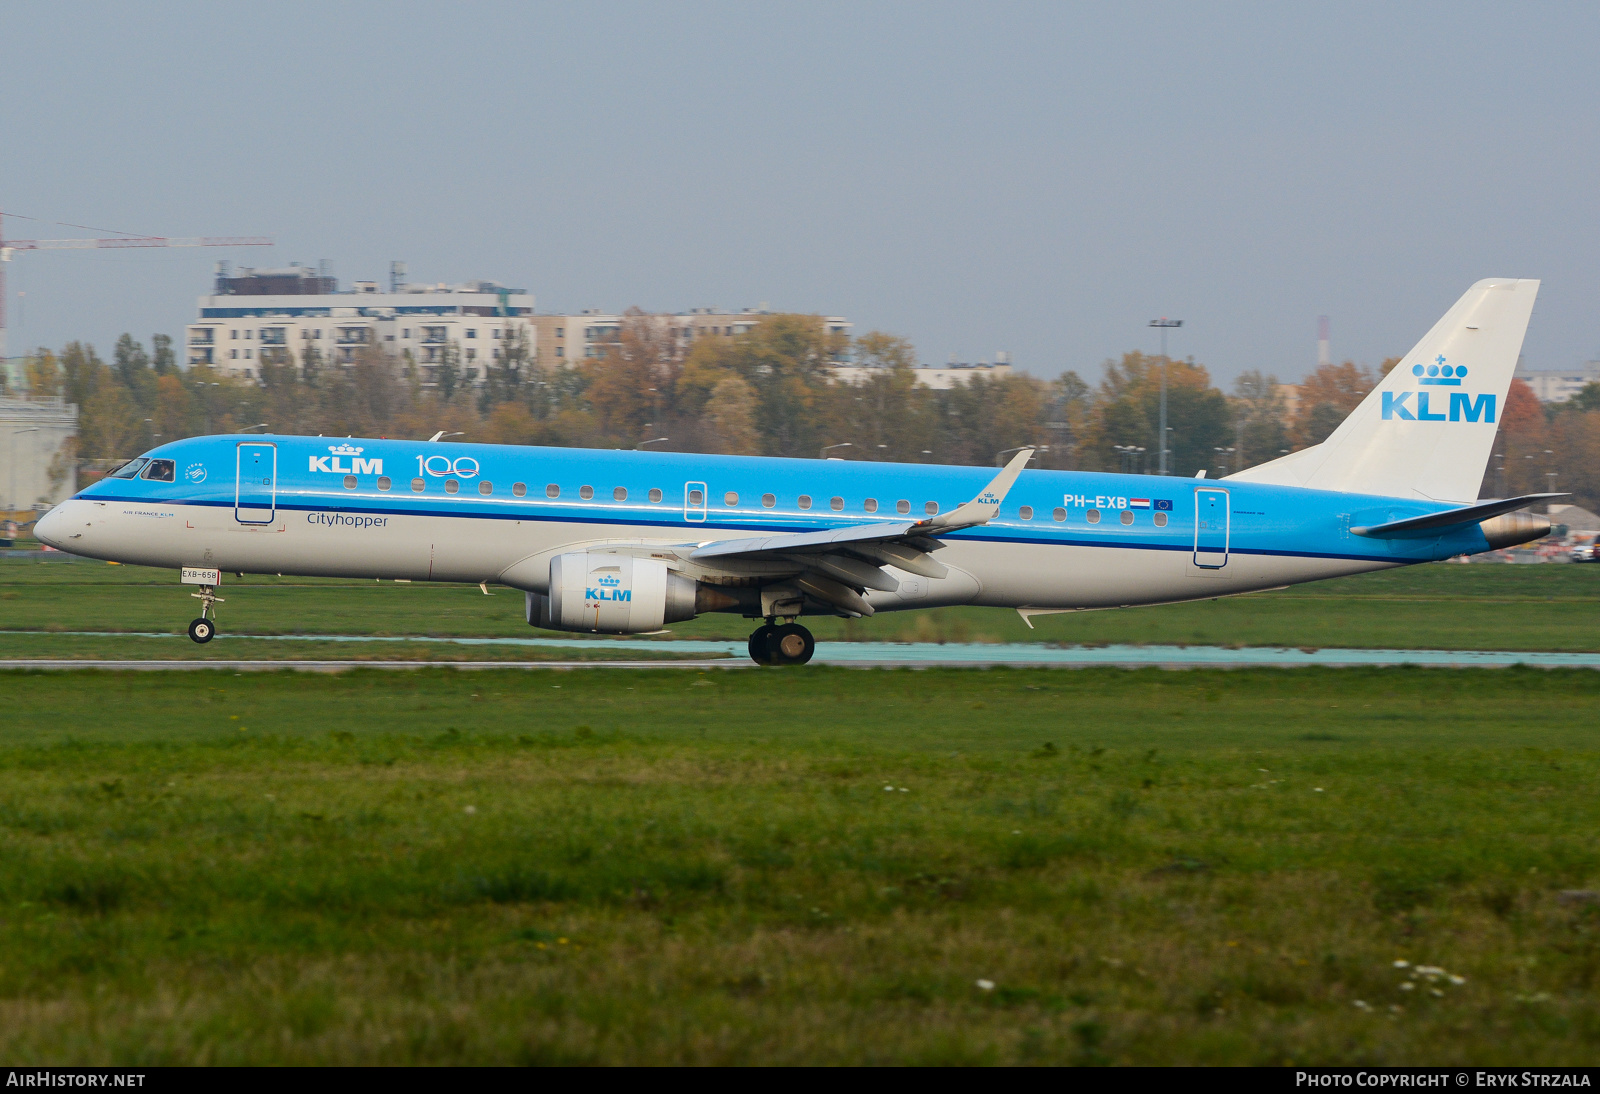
(628, 542)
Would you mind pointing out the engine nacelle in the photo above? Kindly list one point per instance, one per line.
(611, 594)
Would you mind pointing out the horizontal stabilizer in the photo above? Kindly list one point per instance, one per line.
(1451, 518)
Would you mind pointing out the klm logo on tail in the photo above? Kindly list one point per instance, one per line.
(1397, 405)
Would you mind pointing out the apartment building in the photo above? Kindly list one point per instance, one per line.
(568, 339)
(272, 316)
(939, 377)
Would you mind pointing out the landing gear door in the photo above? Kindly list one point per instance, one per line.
(256, 483)
(1211, 529)
(694, 502)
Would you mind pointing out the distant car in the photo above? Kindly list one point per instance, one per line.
(1583, 554)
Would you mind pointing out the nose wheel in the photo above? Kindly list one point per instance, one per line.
(790, 644)
(204, 629)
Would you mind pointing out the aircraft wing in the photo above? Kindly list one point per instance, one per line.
(1450, 518)
(837, 565)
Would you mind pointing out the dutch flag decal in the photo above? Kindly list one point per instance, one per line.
(1138, 503)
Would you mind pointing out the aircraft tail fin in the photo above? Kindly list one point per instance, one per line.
(1426, 431)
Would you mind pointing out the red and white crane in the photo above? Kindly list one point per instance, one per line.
(9, 246)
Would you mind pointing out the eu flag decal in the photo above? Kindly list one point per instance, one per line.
(1163, 505)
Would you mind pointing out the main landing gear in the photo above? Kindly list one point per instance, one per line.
(204, 629)
(789, 644)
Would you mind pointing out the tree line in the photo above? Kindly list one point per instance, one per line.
(771, 392)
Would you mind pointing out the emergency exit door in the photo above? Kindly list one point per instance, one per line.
(1211, 529)
(256, 483)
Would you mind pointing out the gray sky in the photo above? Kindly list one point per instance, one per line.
(1042, 179)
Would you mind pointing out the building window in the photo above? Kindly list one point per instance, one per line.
(233, 355)
(805, 501)
(585, 492)
(451, 486)
(472, 355)
(768, 501)
(1026, 512)
(406, 333)
(552, 491)
(494, 334)
(247, 354)
(1127, 516)
(249, 334)
(472, 332)
(561, 351)
(836, 504)
(870, 505)
(316, 333)
(1058, 513)
(485, 487)
(931, 508)
(902, 506)
(519, 489)
(233, 334)
(620, 494)
(655, 495)
(416, 485)
(1092, 516)
(1161, 520)
(384, 482)
(561, 332)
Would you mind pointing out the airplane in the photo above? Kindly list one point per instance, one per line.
(611, 542)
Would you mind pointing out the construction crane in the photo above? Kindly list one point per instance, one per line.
(8, 246)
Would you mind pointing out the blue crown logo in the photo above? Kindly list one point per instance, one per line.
(610, 581)
(1439, 374)
(344, 450)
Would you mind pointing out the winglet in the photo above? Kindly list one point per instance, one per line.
(983, 508)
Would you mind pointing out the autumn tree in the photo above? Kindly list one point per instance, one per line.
(1327, 397)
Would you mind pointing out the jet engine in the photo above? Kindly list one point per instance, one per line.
(1514, 528)
(618, 594)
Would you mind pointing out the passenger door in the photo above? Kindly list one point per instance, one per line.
(256, 483)
(1211, 529)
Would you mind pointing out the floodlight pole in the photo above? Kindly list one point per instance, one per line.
(1164, 324)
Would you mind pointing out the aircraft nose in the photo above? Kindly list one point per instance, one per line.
(52, 528)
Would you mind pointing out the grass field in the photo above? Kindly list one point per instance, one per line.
(1436, 606)
(1090, 867)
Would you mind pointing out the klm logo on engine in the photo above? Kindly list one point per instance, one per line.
(1398, 405)
(335, 463)
(609, 590)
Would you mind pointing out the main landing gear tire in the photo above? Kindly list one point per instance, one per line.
(790, 644)
(202, 630)
(760, 652)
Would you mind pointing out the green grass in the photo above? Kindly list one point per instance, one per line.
(1434, 606)
(644, 867)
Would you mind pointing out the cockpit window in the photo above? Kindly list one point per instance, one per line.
(129, 469)
(160, 471)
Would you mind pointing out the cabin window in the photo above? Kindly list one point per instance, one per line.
(902, 506)
(1058, 513)
(485, 487)
(655, 495)
(519, 489)
(451, 486)
(1161, 520)
(160, 471)
(384, 482)
(1026, 512)
(730, 498)
(417, 484)
(552, 491)
(768, 501)
(931, 508)
(1127, 516)
(349, 482)
(696, 498)
(870, 505)
(585, 492)
(1092, 516)
(129, 469)
(620, 494)
(836, 504)
(805, 501)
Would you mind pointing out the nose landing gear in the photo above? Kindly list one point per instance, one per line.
(204, 629)
(789, 644)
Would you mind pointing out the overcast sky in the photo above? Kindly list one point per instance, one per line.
(1042, 179)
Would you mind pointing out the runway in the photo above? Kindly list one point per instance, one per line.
(703, 654)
